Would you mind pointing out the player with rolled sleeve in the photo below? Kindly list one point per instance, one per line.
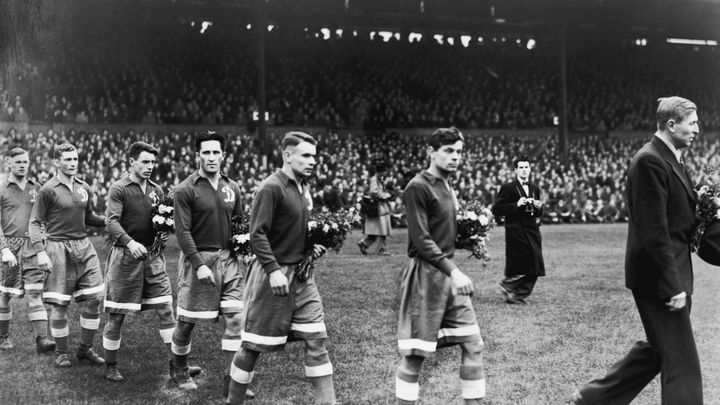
(435, 308)
(278, 305)
(63, 207)
(210, 277)
(135, 281)
(19, 273)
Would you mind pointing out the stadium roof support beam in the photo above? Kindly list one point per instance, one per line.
(562, 125)
(261, 23)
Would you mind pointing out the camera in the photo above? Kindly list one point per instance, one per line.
(529, 205)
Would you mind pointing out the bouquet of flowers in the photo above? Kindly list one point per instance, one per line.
(240, 239)
(329, 229)
(474, 223)
(162, 222)
(708, 203)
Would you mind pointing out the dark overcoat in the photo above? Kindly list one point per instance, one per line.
(523, 242)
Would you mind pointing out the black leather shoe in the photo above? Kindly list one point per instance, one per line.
(363, 247)
(90, 356)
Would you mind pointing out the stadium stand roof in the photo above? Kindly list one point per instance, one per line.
(679, 18)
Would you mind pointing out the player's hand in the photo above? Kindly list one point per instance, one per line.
(205, 275)
(137, 250)
(279, 283)
(461, 284)
(44, 262)
(522, 201)
(164, 236)
(9, 258)
(537, 203)
(677, 302)
(318, 250)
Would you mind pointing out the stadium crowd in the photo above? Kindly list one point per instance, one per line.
(589, 189)
(179, 76)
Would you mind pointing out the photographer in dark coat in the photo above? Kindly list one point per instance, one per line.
(519, 202)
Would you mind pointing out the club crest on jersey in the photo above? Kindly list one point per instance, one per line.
(83, 194)
(33, 195)
(154, 197)
(229, 194)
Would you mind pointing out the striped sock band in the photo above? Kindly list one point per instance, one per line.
(59, 330)
(407, 388)
(111, 343)
(472, 381)
(5, 317)
(180, 348)
(89, 324)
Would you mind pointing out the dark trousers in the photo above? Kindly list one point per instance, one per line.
(670, 351)
(520, 286)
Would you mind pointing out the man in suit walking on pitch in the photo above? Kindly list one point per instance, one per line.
(658, 269)
(519, 202)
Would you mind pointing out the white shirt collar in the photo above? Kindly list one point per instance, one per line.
(672, 147)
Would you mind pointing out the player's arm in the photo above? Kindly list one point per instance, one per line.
(261, 217)
(38, 221)
(419, 233)
(7, 255)
(113, 213)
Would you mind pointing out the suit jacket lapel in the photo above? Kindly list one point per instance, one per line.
(520, 188)
(677, 168)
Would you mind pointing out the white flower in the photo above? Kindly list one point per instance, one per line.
(716, 201)
(334, 226)
(158, 219)
(703, 190)
(471, 215)
(717, 214)
(312, 225)
(244, 238)
(483, 220)
(326, 228)
(170, 222)
(162, 208)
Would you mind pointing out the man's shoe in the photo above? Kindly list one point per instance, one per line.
(5, 343)
(90, 356)
(44, 345)
(577, 399)
(384, 253)
(504, 290)
(181, 378)
(363, 247)
(514, 300)
(62, 361)
(113, 374)
(194, 371)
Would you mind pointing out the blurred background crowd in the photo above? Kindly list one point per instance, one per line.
(589, 189)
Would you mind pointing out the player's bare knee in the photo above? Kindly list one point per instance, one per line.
(165, 314)
(316, 348)
(233, 323)
(58, 312)
(115, 321)
(92, 306)
(35, 299)
(411, 365)
(184, 328)
(473, 349)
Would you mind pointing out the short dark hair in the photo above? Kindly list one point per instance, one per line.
(294, 138)
(16, 152)
(445, 136)
(138, 147)
(673, 108)
(209, 136)
(522, 158)
(63, 147)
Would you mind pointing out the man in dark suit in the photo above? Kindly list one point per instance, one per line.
(519, 202)
(658, 269)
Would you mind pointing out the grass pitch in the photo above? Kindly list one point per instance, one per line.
(582, 320)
